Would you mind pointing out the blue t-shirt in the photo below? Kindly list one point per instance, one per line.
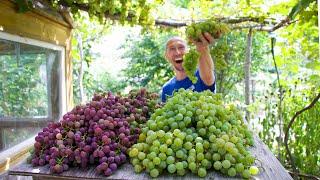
(174, 85)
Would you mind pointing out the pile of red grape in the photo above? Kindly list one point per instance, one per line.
(98, 133)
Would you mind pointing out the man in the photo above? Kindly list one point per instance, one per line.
(176, 47)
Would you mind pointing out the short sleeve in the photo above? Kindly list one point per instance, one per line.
(201, 86)
(163, 94)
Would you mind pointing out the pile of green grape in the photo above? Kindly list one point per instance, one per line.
(216, 29)
(190, 61)
(194, 132)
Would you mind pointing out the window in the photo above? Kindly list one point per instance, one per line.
(32, 89)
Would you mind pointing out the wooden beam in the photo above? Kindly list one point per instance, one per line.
(1, 139)
(23, 122)
(32, 25)
(247, 64)
(15, 154)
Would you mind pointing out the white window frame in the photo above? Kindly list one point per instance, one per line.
(61, 49)
(28, 143)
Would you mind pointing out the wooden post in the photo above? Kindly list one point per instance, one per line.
(80, 49)
(247, 72)
(1, 139)
(253, 85)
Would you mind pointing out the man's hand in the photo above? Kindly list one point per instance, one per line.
(205, 40)
(206, 66)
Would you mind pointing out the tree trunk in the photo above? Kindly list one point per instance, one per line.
(253, 86)
(247, 72)
(80, 50)
(18, 53)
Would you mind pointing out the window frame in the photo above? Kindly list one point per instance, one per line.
(20, 122)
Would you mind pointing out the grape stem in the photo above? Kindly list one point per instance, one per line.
(260, 165)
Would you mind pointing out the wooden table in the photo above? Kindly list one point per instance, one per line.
(273, 170)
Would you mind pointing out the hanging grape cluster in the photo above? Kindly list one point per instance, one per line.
(98, 133)
(216, 29)
(218, 53)
(190, 61)
(194, 132)
(193, 32)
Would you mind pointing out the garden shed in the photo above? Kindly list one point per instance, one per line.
(35, 75)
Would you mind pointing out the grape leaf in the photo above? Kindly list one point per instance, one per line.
(24, 5)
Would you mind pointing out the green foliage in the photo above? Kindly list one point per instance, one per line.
(300, 7)
(125, 11)
(303, 142)
(228, 55)
(23, 93)
(201, 9)
(297, 57)
(103, 83)
(147, 66)
(302, 35)
(90, 32)
(181, 3)
(24, 5)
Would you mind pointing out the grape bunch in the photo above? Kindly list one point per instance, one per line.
(190, 61)
(98, 133)
(216, 29)
(218, 53)
(194, 132)
(193, 31)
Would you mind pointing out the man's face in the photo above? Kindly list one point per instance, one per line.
(174, 53)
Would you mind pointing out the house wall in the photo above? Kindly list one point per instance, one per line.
(41, 26)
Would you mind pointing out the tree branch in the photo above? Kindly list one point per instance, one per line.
(309, 176)
(284, 22)
(235, 22)
(286, 137)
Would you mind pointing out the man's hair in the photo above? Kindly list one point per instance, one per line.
(175, 38)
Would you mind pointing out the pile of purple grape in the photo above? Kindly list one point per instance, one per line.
(98, 133)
